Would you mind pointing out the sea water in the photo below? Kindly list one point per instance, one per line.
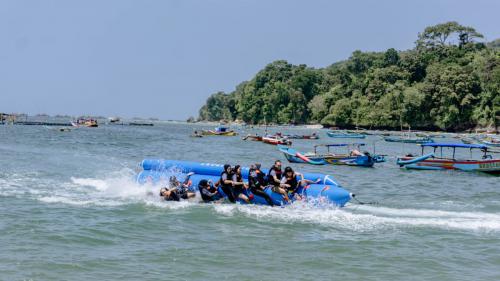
(71, 210)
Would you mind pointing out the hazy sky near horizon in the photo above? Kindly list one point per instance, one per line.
(164, 58)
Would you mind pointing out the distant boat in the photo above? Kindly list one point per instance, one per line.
(252, 137)
(491, 142)
(276, 140)
(431, 162)
(85, 122)
(312, 136)
(408, 139)
(345, 135)
(114, 119)
(219, 131)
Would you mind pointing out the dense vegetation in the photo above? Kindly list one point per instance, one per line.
(448, 81)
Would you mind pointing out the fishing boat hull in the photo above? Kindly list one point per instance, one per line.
(345, 135)
(407, 140)
(360, 161)
(491, 143)
(429, 163)
(214, 133)
(157, 171)
(276, 141)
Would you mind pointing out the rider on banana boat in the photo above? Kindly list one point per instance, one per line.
(182, 189)
(257, 183)
(274, 177)
(290, 183)
(226, 183)
(208, 191)
(239, 187)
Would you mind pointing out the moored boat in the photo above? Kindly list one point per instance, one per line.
(432, 162)
(345, 135)
(409, 139)
(276, 140)
(252, 137)
(312, 136)
(353, 157)
(219, 131)
(85, 122)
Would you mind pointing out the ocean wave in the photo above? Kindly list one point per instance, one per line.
(367, 218)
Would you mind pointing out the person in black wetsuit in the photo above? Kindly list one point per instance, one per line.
(226, 183)
(257, 183)
(290, 183)
(169, 194)
(208, 192)
(274, 178)
(239, 187)
(182, 189)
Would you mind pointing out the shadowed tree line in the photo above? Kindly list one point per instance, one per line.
(448, 81)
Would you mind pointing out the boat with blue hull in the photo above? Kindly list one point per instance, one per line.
(158, 171)
(353, 157)
(431, 161)
(409, 140)
(345, 135)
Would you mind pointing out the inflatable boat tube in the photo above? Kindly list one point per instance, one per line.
(159, 171)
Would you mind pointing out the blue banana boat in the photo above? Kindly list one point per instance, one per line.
(157, 171)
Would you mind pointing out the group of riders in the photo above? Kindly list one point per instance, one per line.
(284, 182)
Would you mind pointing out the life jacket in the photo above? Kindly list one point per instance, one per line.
(203, 185)
(270, 179)
(239, 178)
(229, 177)
(293, 183)
(253, 178)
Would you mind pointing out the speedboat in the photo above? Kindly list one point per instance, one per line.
(431, 161)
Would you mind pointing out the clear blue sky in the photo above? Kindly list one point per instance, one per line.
(164, 58)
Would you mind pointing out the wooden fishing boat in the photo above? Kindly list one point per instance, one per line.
(293, 156)
(219, 131)
(252, 137)
(431, 162)
(313, 136)
(353, 157)
(491, 142)
(409, 139)
(276, 140)
(345, 135)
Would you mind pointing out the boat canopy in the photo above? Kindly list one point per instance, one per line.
(221, 129)
(455, 145)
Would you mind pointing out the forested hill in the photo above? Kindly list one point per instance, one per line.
(450, 80)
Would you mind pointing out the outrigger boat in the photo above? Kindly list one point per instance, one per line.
(353, 157)
(409, 140)
(345, 135)
(252, 137)
(83, 122)
(219, 131)
(313, 136)
(276, 140)
(431, 162)
(491, 142)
